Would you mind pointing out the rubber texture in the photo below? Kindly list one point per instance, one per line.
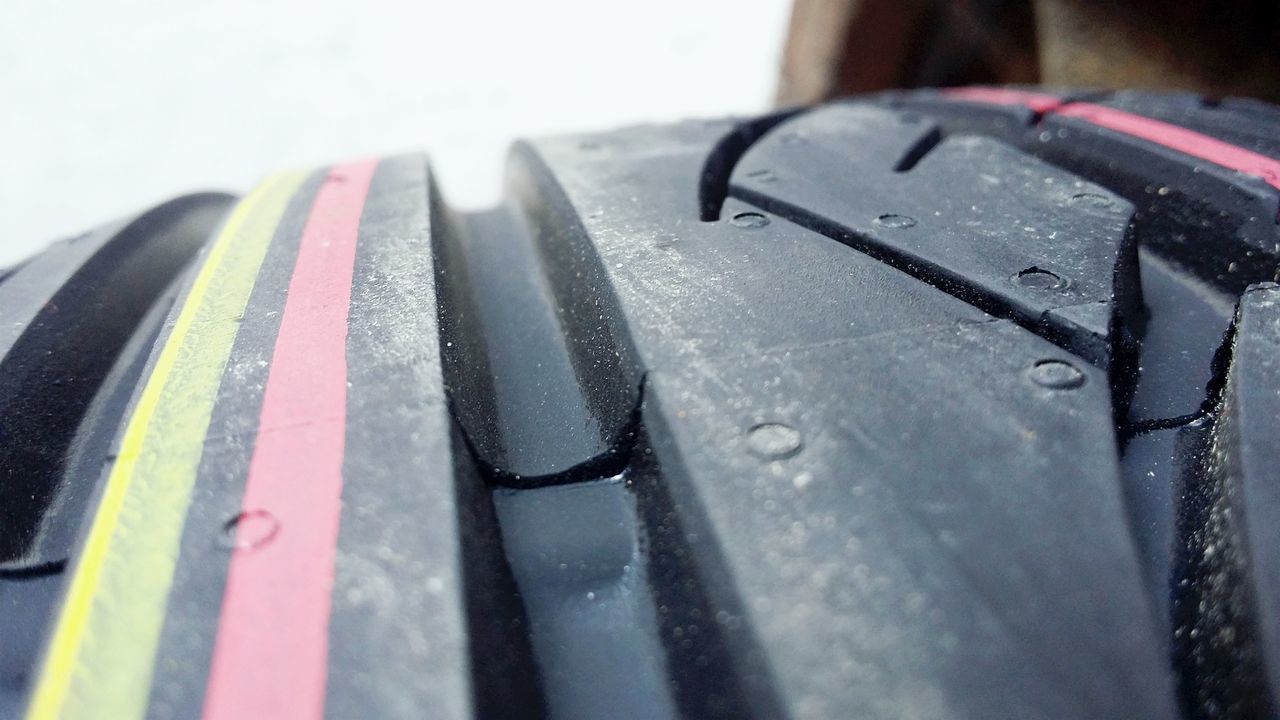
(930, 404)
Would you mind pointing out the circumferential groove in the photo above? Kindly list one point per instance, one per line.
(112, 301)
(567, 579)
(541, 394)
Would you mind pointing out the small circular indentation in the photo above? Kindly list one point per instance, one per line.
(249, 530)
(1057, 375)
(895, 221)
(749, 220)
(1088, 199)
(774, 441)
(1039, 279)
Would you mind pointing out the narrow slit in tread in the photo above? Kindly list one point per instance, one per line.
(713, 181)
(918, 151)
(26, 572)
(931, 275)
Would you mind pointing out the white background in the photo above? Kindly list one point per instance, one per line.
(107, 107)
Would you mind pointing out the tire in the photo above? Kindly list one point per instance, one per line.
(933, 404)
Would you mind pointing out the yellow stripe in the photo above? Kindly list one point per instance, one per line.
(101, 657)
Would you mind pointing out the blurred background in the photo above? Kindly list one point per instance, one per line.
(109, 107)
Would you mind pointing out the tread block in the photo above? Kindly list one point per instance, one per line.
(1219, 223)
(1233, 620)
(416, 530)
(934, 534)
(400, 642)
(1016, 236)
(740, 321)
(1188, 201)
(752, 282)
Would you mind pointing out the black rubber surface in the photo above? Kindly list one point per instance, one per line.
(900, 407)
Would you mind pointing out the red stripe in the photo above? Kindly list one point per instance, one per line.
(1177, 138)
(1037, 102)
(1188, 142)
(271, 655)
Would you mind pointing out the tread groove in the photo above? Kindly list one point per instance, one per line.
(491, 267)
(713, 181)
(948, 282)
(127, 274)
(917, 152)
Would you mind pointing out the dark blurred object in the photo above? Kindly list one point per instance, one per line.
(837, 47)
